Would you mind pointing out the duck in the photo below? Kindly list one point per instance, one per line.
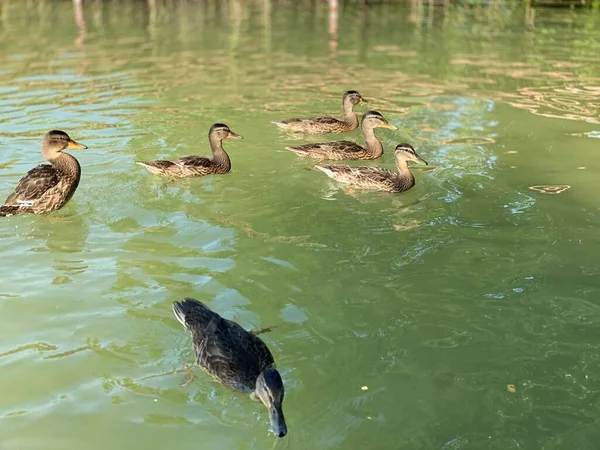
(197, 166)
(377, 178)
(234, 357)
(327, 124)
(47, 187)
(339, 150)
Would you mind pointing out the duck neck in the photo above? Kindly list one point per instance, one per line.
(404, 171)
(65, 164)
(220, 156)
(350, 116)
(373, 144)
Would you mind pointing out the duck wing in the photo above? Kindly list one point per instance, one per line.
(182, 167)
(335, 150)
(321, 120)
(193, 161)
(33, 186)
(367, 177)
(223, 348)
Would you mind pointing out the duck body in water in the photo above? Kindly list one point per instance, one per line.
(47, 187)
(377, 178)
(197, 166)
(234, 357)
(327, 124)
(339, 150)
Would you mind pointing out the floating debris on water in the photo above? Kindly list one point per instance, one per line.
(550, 188)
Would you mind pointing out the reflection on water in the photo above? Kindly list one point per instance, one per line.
(435, 299)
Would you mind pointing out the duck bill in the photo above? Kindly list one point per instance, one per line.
(418, 159)
(233, 135)
(388, 125)
(362, 100)
(277, 421)
(75, 145)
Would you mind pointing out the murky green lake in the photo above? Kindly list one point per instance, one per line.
(402, 321)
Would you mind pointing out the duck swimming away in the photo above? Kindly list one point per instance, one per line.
(47, 187)
(328, 124)
(234, 357)
(198, 166)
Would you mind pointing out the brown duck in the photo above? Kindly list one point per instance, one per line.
(377, 178)
(338, 150)
(197, 166)
(234, 357)
(47, 187)
(328, 124)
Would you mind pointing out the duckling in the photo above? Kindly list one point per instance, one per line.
(338, 150)
(377, 178)
(327, 124)
(47, 187)
(197, 166)
(234, 357)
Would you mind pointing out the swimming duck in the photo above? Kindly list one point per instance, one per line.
(197, 166)
(377, 178)
(234, 357)
(327, 124)
(338, 150)
(47, 187)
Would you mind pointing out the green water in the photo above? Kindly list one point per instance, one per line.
(436, 300)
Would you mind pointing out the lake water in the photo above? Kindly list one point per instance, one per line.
(463, 314)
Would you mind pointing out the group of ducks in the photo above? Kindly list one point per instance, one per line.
(237, 358)
(365, 177)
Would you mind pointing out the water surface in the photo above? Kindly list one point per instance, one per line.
(436, 300)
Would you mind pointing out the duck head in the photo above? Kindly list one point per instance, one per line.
(269, 389)
(406, 152)
(353, 97)
(56, 141)
(373, 119)
(221, 131)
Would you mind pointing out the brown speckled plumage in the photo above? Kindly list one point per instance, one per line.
(377, 178)
(339, 150)
(197, 166)
(327, 124)
(47, 187)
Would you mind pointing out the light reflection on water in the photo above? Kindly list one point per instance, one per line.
(436, 299)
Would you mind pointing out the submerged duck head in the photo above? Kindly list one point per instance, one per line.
(269, 389)
(406, 152)
(56, 141)
(222, 131)
(373, 119)
(353, 97)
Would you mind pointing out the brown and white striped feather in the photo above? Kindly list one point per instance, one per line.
(372, 178)
(188, 166)
(335, 150)
(230, 354)
(323, 124)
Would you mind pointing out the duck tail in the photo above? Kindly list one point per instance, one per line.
(155, 167)
(280, 124)
(297, 150)
(147, 165)
(8, 210)
(189, 312)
